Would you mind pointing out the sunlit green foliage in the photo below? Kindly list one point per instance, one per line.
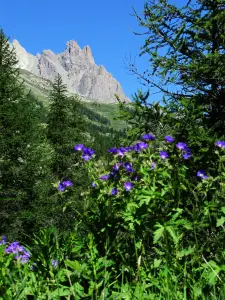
(144, 220)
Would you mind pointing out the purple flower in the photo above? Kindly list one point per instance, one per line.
(220, 144)
(140, 146)
(23, 257)
(128, 186)
(21, 253)
(132, 147)
(169, 139)
(128, 167)
(202, 174)
(117, 166)
(79, 147)
(114, 191)
(105, 177)
(3, 240)
(148, 137)
(86, 157)
(187, 155)
(54, 263)
(153, 165)
(113, 150)
(164, 154)
(93, 184)
(128, 149)
(14, 247)
(88, 151)
(181, 146)
(67, 183)
(63, 185)
(121, 151)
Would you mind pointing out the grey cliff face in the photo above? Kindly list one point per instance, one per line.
(77, 68)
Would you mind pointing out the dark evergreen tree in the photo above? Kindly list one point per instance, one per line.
(66, 128)
(186, 49)
(24, 151)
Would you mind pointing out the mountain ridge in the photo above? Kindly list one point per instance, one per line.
(77, 69)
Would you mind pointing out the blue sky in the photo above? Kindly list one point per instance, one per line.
(106, 26)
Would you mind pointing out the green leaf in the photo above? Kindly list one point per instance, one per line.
(60, 292)
(75, 265)
(78, 289)
(173, 234)
(77, 248)
(220, 221)
(185, 252)
(145, 200)
(130, 205)
(157, 263)
(158, 233)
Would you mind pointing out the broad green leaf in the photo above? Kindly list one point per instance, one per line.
(158, 234)
(75, 265)
(220, 221)
(173, 234)
(157, 262)
(185, 252)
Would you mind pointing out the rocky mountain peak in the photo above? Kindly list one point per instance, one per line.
(72, 48)
(77, 68)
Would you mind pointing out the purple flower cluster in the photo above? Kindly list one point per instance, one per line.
(187, 154)
(183, 147)
(87, 152)
(64, 184)
(220, 144)
(169, 139)
(148, 137)
(120, 151)
(21, 253)
(140, 146)
(114, 174)
(202, 174)
(113, 150)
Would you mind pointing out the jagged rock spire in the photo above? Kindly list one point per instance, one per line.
(77, 69)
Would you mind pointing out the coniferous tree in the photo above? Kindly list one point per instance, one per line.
(24, 151)
(186, 49)
(66, 128)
